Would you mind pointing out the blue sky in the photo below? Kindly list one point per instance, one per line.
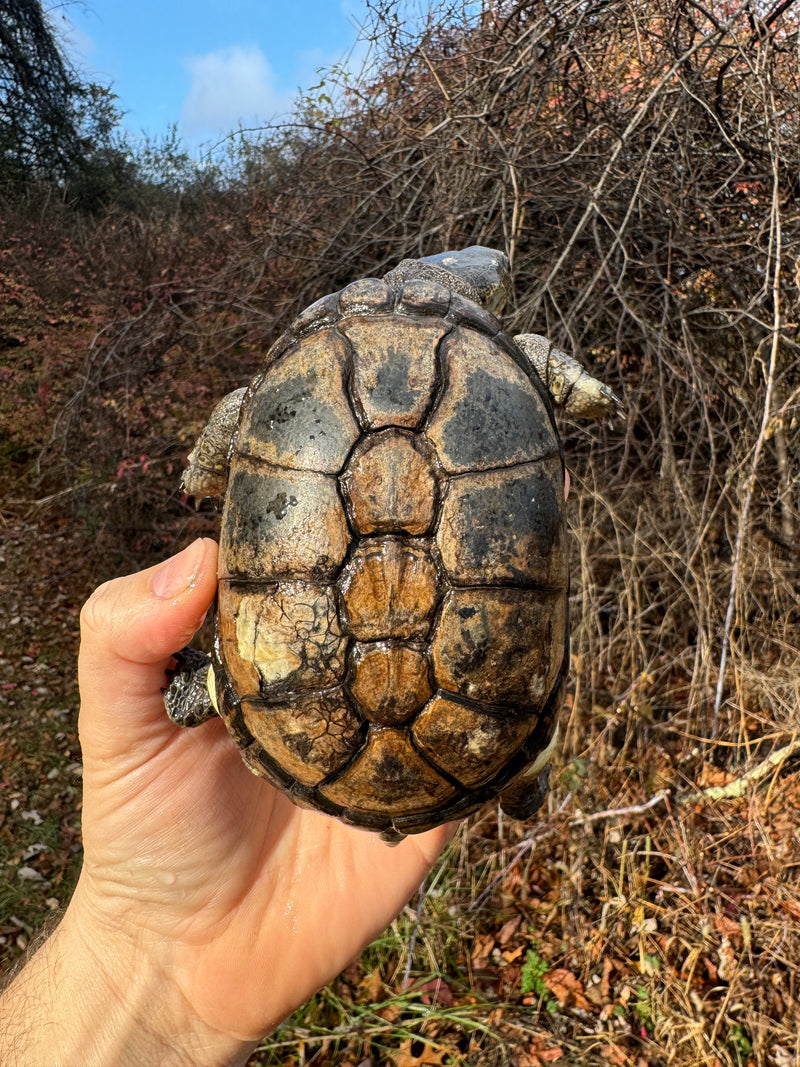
(208, 65)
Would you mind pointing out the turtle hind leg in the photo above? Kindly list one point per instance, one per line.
(525, 796)
(392, 837)
(187, 698)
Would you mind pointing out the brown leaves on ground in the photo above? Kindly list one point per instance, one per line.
(566, 989)
(416, 1053)
(539, 1053)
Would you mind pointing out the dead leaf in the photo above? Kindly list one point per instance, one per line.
(539, 1053)
(605, 984)
(508, 929)
(566, 989)
(512, 954)
(713, 776)
(372, 986)
(436, 991)
(414, 1052)
(389, 1012)
(727, 927)
(482, 951)
(614, 1054)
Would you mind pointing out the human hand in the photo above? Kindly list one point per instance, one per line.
(212, 904)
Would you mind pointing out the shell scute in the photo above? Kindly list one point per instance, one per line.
(389, 589)
(298, 415)
(389, 774)
(424, 297)
(281, 638)
(491, 414)
(395, 371)
(281, 522)
(366, 296)
(468, 743)
(389, 681)
(310, 737)
(482, 647)
(506, 525)
(391, 484)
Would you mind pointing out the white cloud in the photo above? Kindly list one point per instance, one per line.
(231, 86)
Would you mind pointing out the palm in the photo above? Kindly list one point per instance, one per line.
(237, 875)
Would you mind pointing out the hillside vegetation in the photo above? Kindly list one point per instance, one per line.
(639, 161)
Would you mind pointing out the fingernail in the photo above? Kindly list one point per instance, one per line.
(174, 576)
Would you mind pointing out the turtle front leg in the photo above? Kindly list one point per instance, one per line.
(187, 697)
(207, 472)
(570, 386)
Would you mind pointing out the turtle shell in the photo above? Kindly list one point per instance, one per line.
(392, 609)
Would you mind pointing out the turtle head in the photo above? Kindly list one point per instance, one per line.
(480, 274)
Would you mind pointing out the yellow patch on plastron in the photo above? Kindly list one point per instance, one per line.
(272, 655)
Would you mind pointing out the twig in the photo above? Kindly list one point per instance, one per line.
(412, 944)
(741, 533)
(738, 787)
(612, 813)
(622, 140)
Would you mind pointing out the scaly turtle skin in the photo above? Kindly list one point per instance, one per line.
(391, 628)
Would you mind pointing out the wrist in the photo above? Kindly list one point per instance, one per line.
(94, 994)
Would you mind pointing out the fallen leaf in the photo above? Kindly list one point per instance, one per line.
(605, 984)
(727, 927)
(372, 986)
(389, 1012)
(508, 929)
(512, 954)
(614, 1054)
(566, 989)
(414, 1052)
(793, 907)
(436, 991)
(482, 951)
(539, 1053)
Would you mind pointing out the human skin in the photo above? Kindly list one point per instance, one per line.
(208, 906)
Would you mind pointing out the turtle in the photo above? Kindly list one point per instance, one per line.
(391, 624)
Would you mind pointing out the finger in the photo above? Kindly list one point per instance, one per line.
(130, 627)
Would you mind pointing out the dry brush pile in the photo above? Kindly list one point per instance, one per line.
(640, 164)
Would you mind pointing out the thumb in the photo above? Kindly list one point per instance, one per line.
(130, 627)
